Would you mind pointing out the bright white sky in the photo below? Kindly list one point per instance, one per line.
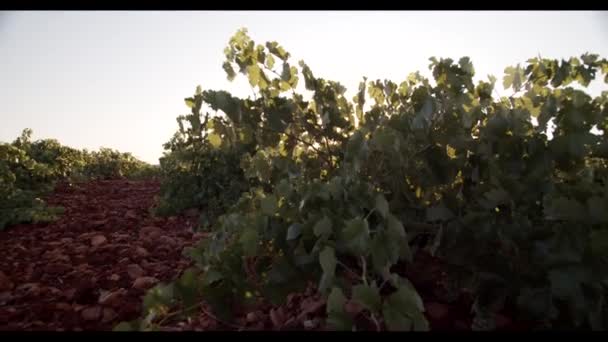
(118, 79)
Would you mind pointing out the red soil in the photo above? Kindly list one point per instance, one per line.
(89, 269)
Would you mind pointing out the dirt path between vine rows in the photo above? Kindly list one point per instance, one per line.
(90, 269)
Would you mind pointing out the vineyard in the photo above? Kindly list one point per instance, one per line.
(424, 204)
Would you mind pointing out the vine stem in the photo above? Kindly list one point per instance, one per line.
(353, 273)
(375, 320)
(329, 161)
(321, 153)
(200, 307)
(368, 214)
(364, 267)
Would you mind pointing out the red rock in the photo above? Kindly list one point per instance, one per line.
(502, 321)
(436, 311)
(52, 290)
(84, 236)
(131, 214)
(57, 268)
(69, 294)
(309, 324)
(108, 315)
(121, 237)
(353, 307)
(98, 240)
(83, 267)
(56, 255)
(62, 257)
(97, 223)
(5, 297)
(142, 252)
(251, 317)
(144, 283)
(461, 325)
(135, 271)
(5, 283)
(150, 232)
(91, 314)
(277, 317)
(112, 298)
(166, 240)
(81, 249)
(312, 306)
(114, 277)
(49, 254)
(63, 306)
(259, 326)
(123, 261)
(66, 241)
(291, 297)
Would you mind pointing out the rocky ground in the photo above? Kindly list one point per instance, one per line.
(89, 269)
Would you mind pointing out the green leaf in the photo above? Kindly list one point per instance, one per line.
(598, 209)
(283, 189)
(269, 61)
(124, 326)
(382, 205)
(537, 303)
(466, 65)
(403, 88)
(269, 205)
(367, 296)
(427, 109)
(496, 197)
(215, 140)
(396, 233)
(566, 282)
(562, 208)
(514, 76)
(396, 227)
(599, 242)
(186, 289)
(356, 236)
(403, 310)
(451, 152)
(277, 50)
(323, 227)
(294, 231)
(286, 73)
(160, 295)
(438, 213)
(328, 261)
(336, 300)
(256, 77)
(211, 276)
(356, 148)
(385, 251)
(339, 321)
(229, 71)
(395, 320)
(249, 239)
(189, 102)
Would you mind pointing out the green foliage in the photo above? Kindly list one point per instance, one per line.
(336, 193)
(111, 164)
(30, 169)
(201, 165)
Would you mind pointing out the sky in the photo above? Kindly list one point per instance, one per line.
(118, 79)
